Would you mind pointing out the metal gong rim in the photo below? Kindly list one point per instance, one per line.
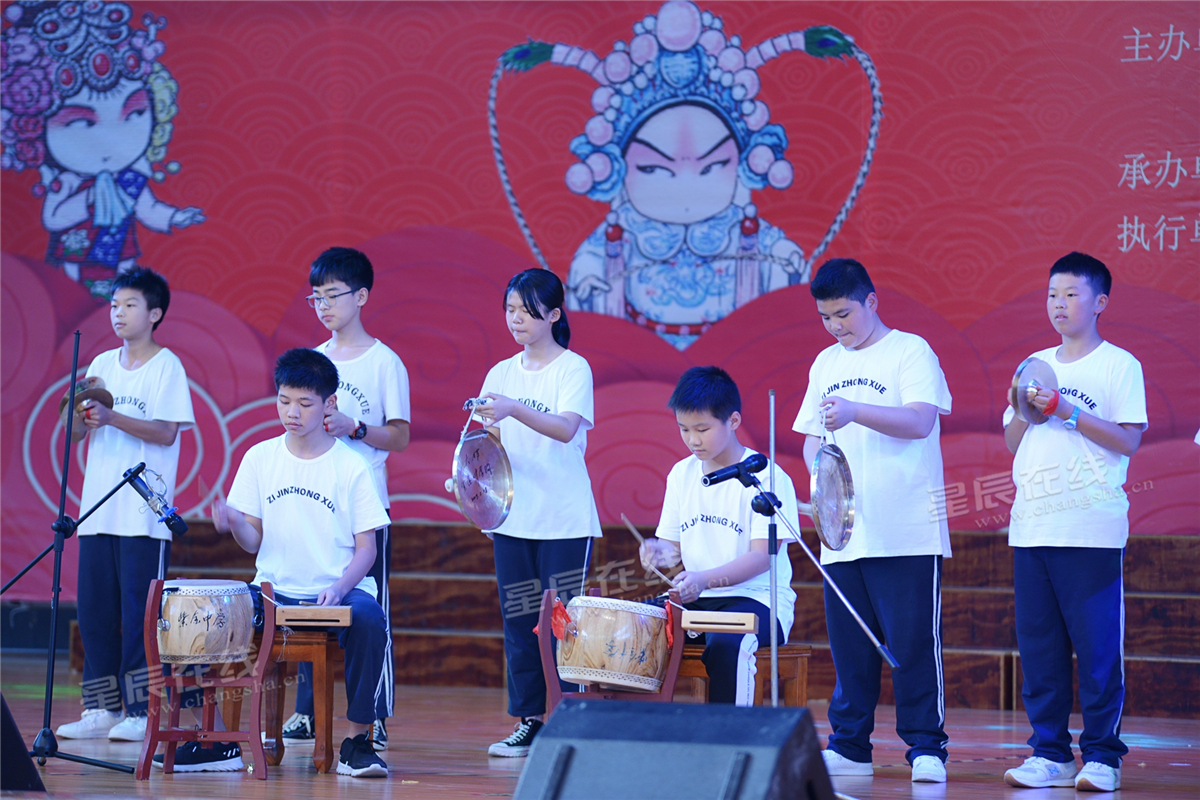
(482, 476)
(1033, 374)
(833, 533)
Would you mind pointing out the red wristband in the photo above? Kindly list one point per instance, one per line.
(1051, 405)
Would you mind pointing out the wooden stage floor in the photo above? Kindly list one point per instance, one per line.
(439, 741)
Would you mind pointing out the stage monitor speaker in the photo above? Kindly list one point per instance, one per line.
(610, 750)
(17, 772)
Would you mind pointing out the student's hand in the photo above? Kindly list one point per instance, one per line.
(330, 597)
(1041, 401)
(689, 585)
(96, 415)
(225, 517)
(655, 552)
(499, 408)
(839, 412)
(338, 424)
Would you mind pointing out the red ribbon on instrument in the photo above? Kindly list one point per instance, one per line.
(670, 625)
(1051, 405)
(560, 621)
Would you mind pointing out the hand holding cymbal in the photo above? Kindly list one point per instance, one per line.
(87, 391)
(1034, 391)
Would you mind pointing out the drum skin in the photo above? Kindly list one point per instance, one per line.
(205, 622)
(615, 643)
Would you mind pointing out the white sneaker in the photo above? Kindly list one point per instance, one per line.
(1097, 777)
(837, 764)
(1039, 773)
(928, 769)
(94, 724)
(130, 729)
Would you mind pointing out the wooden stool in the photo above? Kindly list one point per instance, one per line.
(321, 648)
(793, 673)
(174, 734)
(554, 692)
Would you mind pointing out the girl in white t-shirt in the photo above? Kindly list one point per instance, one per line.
(540, 403)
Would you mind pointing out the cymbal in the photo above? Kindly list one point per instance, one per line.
(86, 389)
(1031, 376)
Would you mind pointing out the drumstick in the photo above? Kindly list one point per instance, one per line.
(642, 540)
(636, 534)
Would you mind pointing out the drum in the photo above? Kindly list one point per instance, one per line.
(205, 622)
(614, 643)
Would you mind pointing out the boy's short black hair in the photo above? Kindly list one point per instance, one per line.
(708, 389)
(301, 368)
(344, 264)
(840, 278)
(1084, 266)
(153, 287)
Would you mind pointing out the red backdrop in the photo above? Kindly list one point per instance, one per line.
(1008, 133)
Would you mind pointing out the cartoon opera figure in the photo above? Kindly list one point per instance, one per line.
(678, 142)
(88, 104)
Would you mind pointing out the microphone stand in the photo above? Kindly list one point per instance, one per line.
(45, 745)
(772, 550)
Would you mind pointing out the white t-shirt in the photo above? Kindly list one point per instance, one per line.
(552, 493)
(372, 388)
(899, 492)
(1069, 490)
(310, 508)
(715, 524)
(157, 390)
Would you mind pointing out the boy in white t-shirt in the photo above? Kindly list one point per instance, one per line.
(882, 392)
(372, 416)
(721, 541)
(122, 546)
(307, 506)
(1069, 525)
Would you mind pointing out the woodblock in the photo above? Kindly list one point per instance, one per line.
(720, 621)
(313, 616)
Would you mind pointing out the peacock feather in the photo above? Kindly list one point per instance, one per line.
(824, 41)
(525, 57)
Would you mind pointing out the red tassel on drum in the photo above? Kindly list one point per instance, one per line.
(670, 625)
(559, 620)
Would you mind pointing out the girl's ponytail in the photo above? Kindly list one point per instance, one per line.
(560, 330)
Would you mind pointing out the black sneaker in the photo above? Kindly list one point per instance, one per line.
(517, 745)
(358, 759)
(379, 735)
(299, 726)
(215, 757)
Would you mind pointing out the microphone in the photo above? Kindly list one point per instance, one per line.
(158, 503)
(740, 470)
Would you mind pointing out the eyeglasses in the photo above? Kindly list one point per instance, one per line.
(315, 300)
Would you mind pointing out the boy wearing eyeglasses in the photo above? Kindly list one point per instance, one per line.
(372, 416)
